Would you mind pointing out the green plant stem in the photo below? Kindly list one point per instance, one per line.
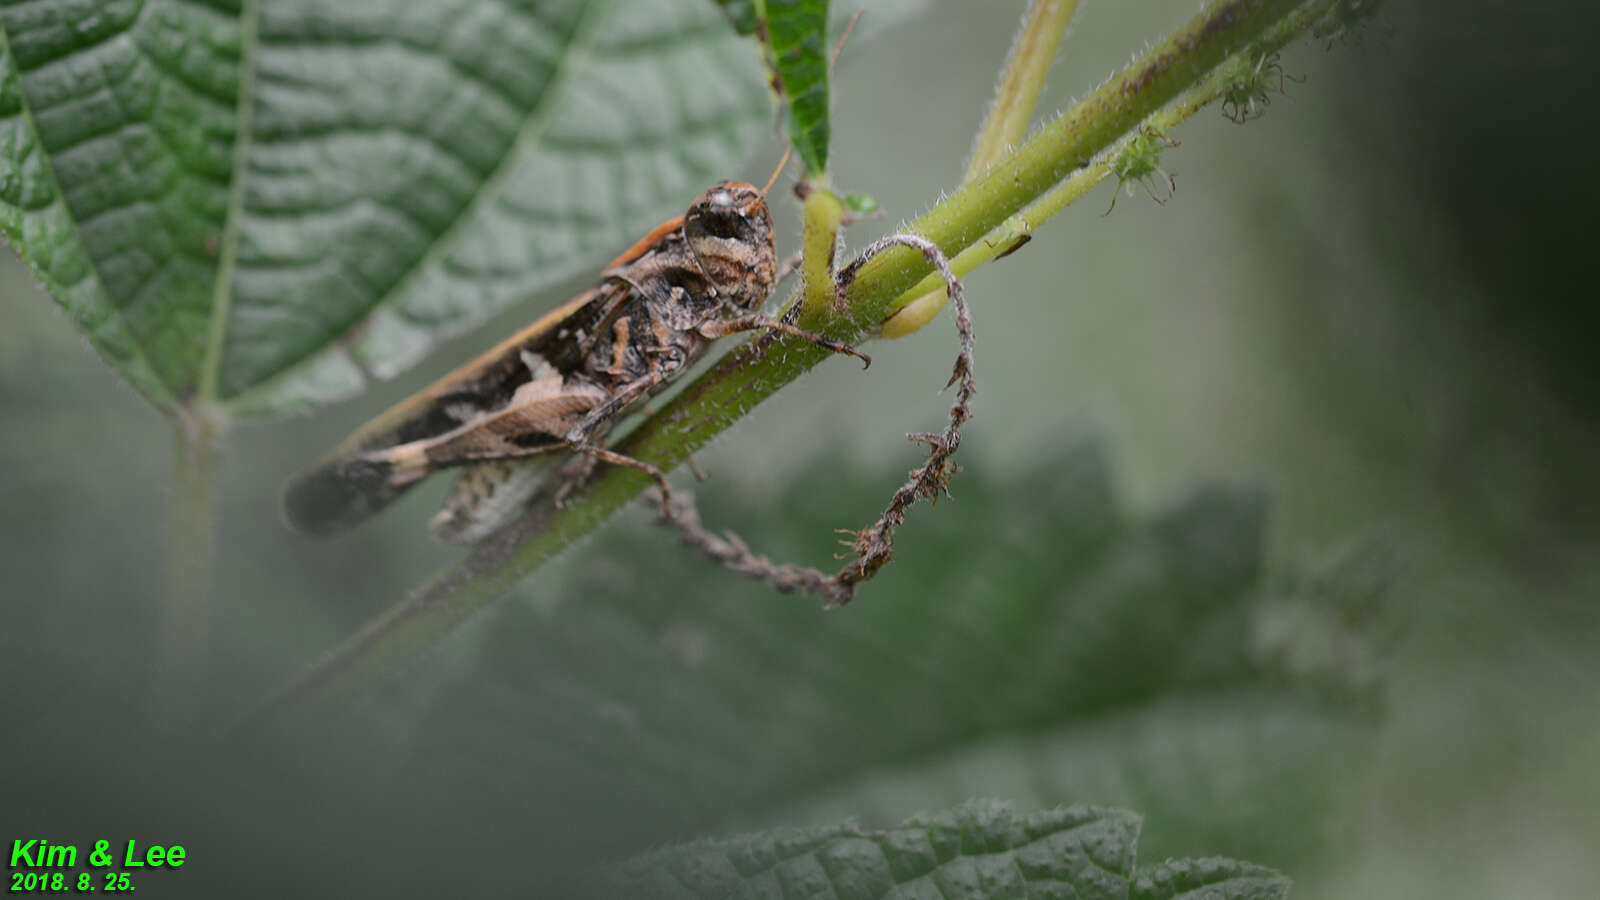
(929, 294)
(819, 240)
(920, 305)
(743, 378)
(185, 615)
(1032, 52)
(1068, 143)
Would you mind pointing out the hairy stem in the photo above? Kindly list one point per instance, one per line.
(1032, 52)
(1070, 142)
(924, 301)
(823, 214)
(751, 373)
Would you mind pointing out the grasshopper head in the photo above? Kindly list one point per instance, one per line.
(729, 230)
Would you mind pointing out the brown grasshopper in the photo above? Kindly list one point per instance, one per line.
(562, 382)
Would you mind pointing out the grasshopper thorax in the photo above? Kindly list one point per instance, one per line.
(729, 231)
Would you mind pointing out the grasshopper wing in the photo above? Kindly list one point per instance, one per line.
(354, 481)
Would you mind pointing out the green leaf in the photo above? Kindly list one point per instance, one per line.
(118, 122)
(1331, 625)
(975, 851)
(416, 167)
(1209, 879)
(861, 204)
(797, 52)
(256, 204)
(1204, 768)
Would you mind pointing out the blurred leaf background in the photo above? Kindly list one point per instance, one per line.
(1349, 360)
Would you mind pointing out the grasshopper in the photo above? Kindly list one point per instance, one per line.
(560, 384)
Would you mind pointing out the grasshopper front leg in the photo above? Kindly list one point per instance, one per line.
(752, 321)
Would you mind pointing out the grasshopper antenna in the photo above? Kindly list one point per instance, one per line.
(778, 171)
(845, 37)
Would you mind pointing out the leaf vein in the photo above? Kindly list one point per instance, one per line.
(228, 249)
